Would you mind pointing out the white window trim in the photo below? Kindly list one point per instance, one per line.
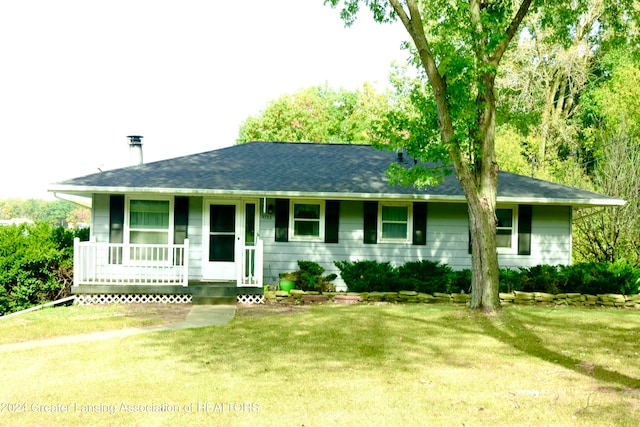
(292, 236)
(127, 229)
(514, 231)
(409, 237)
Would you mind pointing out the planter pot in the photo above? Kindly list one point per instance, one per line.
(287, 285)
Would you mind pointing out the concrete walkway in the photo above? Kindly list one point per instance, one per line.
(198, 317)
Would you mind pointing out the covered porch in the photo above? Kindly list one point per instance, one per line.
(146, 269)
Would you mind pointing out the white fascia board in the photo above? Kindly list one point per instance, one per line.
(86, 191)
(562, 202)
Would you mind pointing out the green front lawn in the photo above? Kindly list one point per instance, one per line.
(341, 365)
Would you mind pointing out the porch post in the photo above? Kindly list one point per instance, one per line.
(76, 261)
(240, 261)
(185, 263)
(258, 268)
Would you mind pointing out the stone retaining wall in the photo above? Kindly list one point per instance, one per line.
(517, 297)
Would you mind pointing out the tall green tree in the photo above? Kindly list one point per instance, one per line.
(317, 114)
(458, 47)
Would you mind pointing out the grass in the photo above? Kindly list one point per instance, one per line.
(341, 365)
(55, 322)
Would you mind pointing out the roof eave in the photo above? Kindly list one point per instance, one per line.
(576, 203)
(86, 191)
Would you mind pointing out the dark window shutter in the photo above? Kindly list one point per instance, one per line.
(282, 220)
(116, 227)
(469, 249)
(180, 220)
(331, 221)
(370, 222)
(420, 223)
(524, 229)
(116, 218)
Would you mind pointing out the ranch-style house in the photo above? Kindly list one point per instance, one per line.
(216, 226)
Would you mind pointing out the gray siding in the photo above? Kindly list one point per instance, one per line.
(100, 218)
(195, 238)
(550, 239)
(447, 241)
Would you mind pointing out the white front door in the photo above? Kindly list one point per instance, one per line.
(222, 240)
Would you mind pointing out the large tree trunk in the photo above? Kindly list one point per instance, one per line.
(484, 260)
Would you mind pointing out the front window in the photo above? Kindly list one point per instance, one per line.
(149, 222)
(394, 223)
(307, 220)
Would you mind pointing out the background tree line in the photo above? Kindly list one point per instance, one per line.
(55, 212)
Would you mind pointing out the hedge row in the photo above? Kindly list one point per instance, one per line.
(431, 276)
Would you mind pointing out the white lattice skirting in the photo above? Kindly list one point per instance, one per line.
(250, 299)
(86, 299)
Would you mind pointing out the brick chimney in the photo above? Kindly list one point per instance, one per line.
(135, 150)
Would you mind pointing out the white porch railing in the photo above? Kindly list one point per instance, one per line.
(100, 263)
(250, 266)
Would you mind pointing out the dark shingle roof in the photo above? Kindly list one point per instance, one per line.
(272, 168)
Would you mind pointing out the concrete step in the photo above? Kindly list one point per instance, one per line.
(213, 293)
(205, 300)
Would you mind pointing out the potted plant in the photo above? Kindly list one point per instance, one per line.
(287, 282)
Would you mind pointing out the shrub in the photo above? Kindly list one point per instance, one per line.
(424, 276)
(460, 281)
(626, 278)
(309, 277)
(35, 265)
(602, 278)
(542, 278)
(368, 276)
(510, 280)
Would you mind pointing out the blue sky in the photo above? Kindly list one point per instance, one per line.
(78, 76)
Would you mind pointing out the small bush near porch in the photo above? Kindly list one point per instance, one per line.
(340, 365)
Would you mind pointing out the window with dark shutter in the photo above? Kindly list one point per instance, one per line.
(332, 220)
(180, 220)
(116, 219)
(282, 220)
(524, 229)
(370, 222)
(419, 223)
(116, 227)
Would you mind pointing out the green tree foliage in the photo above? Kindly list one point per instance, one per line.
(612, 130)
(317, 114)
(557, 56)
(36, 265)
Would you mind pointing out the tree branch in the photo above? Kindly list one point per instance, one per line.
(413, 24)
(511, 31)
